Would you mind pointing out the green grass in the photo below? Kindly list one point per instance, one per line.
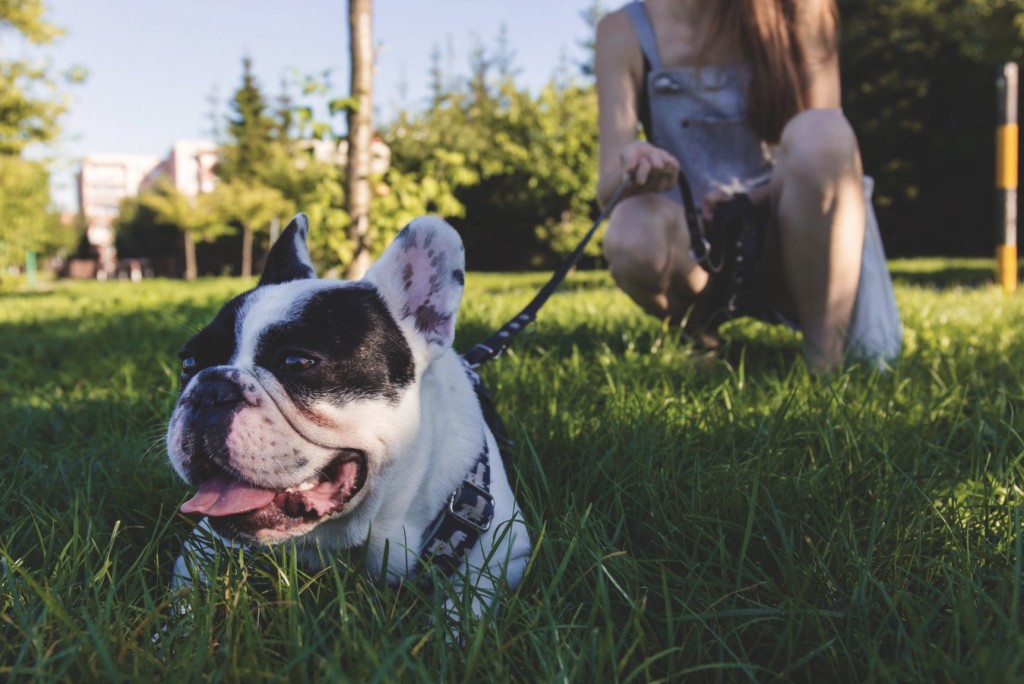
(707, 519)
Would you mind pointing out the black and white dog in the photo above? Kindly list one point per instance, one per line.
(337, 414)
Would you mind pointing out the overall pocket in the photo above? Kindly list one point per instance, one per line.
(722, 153)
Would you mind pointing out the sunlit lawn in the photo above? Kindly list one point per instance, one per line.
(726, 518)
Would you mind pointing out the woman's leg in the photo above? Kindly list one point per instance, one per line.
(817, 189)
(648, 251)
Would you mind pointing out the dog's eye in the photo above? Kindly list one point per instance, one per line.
(296, 362)
(188, 364)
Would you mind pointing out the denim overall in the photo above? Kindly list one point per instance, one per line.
(699, 114)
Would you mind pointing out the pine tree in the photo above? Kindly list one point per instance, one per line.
(248, 152)
(249, 160)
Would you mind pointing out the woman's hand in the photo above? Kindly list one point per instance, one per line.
(653, 169)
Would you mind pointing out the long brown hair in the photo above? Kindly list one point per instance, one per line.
(772, 35)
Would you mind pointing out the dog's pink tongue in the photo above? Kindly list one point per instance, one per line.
(225, 496)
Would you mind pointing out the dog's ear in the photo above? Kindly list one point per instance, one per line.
(289, 257)
(421, 276)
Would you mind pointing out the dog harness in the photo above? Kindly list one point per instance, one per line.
(470, 508)
(458, 526)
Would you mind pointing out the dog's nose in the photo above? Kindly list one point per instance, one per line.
(216, 393)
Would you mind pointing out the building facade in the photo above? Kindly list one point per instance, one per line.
(189, 166)
(103, 181)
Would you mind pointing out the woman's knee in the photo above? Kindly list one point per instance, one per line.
(636, 235)
(819, 144)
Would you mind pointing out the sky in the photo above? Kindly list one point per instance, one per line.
(155, 66)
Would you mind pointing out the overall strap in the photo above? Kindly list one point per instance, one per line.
(644, 32)
(645, 35)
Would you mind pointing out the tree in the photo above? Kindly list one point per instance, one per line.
(31, 105)
(521, 169)
(248, 152)
(360, 135)
(319, 188)
(141, 235)
(27, 224)
(919, 88)
(253, 161)
(26, 114)
(252, 205)
(194, 216)
(565, 154)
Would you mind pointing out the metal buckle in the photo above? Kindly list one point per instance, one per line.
(463, 519)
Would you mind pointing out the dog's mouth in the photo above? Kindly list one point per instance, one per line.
(245, 506)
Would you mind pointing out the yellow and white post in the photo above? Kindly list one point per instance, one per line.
(1007, 142)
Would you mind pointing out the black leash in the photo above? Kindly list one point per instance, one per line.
(496, 344)
(730, 245)
(699, 243)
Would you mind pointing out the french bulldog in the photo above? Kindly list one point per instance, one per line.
(337, 415)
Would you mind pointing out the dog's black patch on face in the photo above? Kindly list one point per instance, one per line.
(357, 348)
(215, 344)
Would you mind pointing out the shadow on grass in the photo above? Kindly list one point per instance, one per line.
(930, 272)
(744, 340)
(529, 283)
(942, 273)
(95, 350)
(26, 294)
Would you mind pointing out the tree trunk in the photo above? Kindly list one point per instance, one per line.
(360, 135)
(190, 256)
(246, 250)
